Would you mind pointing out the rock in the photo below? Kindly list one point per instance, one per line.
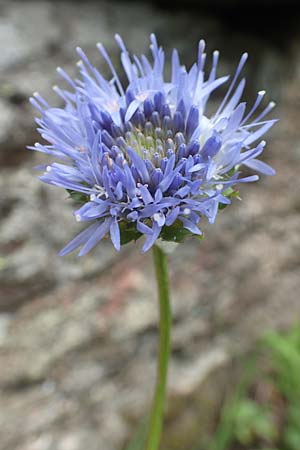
(19, 38)
(5, 320)
(31, 237)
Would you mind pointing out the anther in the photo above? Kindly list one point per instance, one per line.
(149, 141)
(160, 149)
(158, 133)
(121, 142)
(170, 144)
(179, 139)
(167, 123)
(141, 136)
(148, 128)
(155, 119)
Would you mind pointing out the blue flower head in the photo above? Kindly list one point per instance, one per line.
(148, 159)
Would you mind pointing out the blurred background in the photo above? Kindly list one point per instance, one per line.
(78, 337)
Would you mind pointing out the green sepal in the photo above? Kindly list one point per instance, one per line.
(177, 233)
(78, 197)
(128, 232)
(229, 193)
(174, 233)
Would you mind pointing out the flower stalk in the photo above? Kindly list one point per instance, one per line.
(165, 320)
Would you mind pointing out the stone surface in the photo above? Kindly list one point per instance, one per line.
(78, 336)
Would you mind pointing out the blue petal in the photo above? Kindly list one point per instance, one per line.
(146, 196)
(80, 239)
(139, 164)
(96, 237)
(142, 228)
(189, 225)
(132, 108)
(150, 240)
(260, 166)
(257, 134)
(211, 146)
(115, 234)
(172, 216)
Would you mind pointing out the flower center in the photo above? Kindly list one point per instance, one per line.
(154, 133)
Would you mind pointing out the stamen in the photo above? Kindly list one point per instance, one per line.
(170, 145)
(158, 133)
(155, 119)
(149, 129)
(149, 141)
(179, 139)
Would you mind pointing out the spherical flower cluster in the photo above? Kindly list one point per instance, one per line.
(148, 160)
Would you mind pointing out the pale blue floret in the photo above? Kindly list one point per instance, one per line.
(148, 154)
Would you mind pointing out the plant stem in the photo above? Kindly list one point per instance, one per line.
(159, 399)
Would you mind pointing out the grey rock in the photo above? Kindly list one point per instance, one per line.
(20, 40)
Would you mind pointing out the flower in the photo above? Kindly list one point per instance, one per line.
(148, 160)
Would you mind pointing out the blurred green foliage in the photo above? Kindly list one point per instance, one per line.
(264, 411)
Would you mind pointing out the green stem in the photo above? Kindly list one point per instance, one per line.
(159, 399)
